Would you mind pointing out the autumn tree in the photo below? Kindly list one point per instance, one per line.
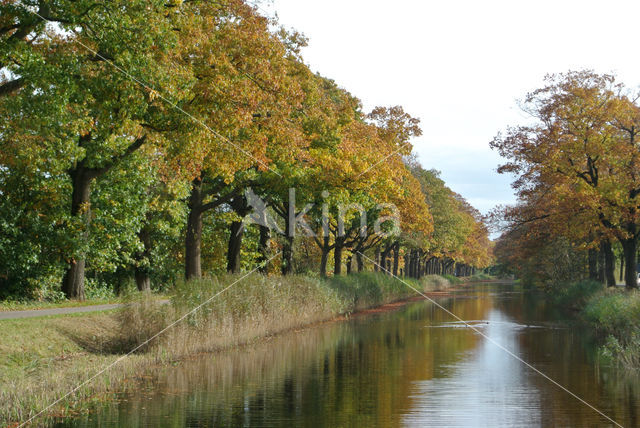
(583, 149)
(69, 68)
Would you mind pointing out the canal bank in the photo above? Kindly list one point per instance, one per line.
(45, 358)
(613, 313)
(414, 366)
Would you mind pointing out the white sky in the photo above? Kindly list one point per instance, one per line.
(460, 66)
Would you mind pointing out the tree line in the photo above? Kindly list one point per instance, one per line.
(136, 133)
(577, 168)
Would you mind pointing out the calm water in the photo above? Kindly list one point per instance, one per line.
(412, 367)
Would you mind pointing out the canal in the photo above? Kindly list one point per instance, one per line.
(415, 366)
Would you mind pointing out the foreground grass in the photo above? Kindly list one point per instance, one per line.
(40, 361)
(43, 359)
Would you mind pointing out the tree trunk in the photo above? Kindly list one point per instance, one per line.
(287, 255)
(383, 260)
(143, 270)
(263, 248)
(359, 262)
(601, 265)
(236, 232)
(349, 262)
(630, 247)
(287, 245)
(143, 280)
(376, 265)
(193, 242)
(81, 178)
(73, 281)
(593, 264)
(337, 256)
(622, 268)
(609, 264)
(414, 264)
(396, 258)
(324, 259)
(405, 271)
(241, 207)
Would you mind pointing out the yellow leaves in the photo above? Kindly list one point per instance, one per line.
(153, 94)
(578, 167)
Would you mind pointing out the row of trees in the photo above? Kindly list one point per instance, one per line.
(578, 181)
(138, 135)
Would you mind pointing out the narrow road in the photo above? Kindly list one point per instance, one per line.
(9, 315)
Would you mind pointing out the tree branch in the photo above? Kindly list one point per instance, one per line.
(11, 86)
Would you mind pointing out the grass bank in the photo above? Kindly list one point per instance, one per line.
(613, 313)
(482, 277)
(43, 359)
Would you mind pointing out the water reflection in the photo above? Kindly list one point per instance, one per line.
(411, 367)
(488, 379)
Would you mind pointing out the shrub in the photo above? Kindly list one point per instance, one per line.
(575, 294)
(482, 277)
(615, 312)
(628, 355)
(434, 282)
(452, 279)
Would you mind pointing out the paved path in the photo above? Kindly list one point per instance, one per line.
(8, 315)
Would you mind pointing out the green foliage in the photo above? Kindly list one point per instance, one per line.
(615, 312)
(98, 290)
(119, 205)
(452, 279)
(626, 354)
(216, 235)
(368, 289)
(32, 233)
(550, 263)
(482, 277)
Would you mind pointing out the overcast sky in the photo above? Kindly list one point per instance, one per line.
(460, 66)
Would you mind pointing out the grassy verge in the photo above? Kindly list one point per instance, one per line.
(482, 277)
(452, 279)
(35, 305)
(616, 315)
(43, 359)
(613, 313)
